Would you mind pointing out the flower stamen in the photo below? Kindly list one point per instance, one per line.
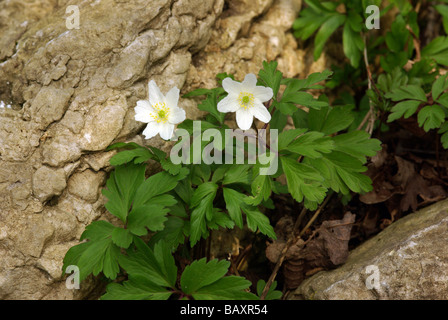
(161, 112)
(246, 100)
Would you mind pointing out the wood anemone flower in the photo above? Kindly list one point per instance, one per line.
(160, 112)
(246, 99)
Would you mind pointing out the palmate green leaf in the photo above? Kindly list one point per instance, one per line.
(149, 216)
(156, 265)
(413, 92)
(303, 181)
(210, 104)
(257, 220)
(357, 144)
(220, 219)
(304, 99)
(202, 202)
(346, 173)
(121, 188)
(403, 109)
(443, 100)
(329, 120)
(155, 185)
(99, 254)
(311, 144)
(261, 190)
(137, 288)
(331, 24)
(121, 237)
(443, 10)
(437, 49)
(431, 117)
(206, 281)
(174, 233)
(137, 155)
(237, 174)
(440, 85)
(150, 273)
(352, 45)
(270, 76)
(233, 200)
(444, 135)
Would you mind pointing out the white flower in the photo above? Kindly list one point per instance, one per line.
(246, 99)
(161, 113)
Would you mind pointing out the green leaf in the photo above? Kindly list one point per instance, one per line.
(200, 274)
(331, 24)
(237, 174)
(121, 188)
(210, 105)
(220, 219)
(156, 266)
(443, 10)
(403, 109)
(137, 155)
(296, 173)
(352, 44)
(147, 216)
(270, 76)
(98, 230)
(413, 92)
(431, 117)
(272, 293)
(311, 144)
(174, 233)
(227, 288)
(357, 144)
(443, 100)
(440, 85)
(233, 200)
(122, 237)
(261, 190)
(202, 202)
(437, 49)
(304, 99)
(257, 220)
(329, 120)
(155, 185)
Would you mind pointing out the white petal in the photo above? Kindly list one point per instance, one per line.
(172, 97)
(143, 111)
(151, 130)
(166, 130)
(228, 104)
(231, 86)
(260, 112)
(262, 93)
(177, 115)
(244, 118)
(250, 81)
(155, 95)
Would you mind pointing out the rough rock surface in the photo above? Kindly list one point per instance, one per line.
(406, 261)
(68, 93)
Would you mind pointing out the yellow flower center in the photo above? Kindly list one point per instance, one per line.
(246, 100)
(161, 112)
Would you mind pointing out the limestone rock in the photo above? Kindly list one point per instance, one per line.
(86, 184)
(48, 182)
(406, 261)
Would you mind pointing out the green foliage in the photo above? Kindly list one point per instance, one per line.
(175, 209)
(152, 275)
